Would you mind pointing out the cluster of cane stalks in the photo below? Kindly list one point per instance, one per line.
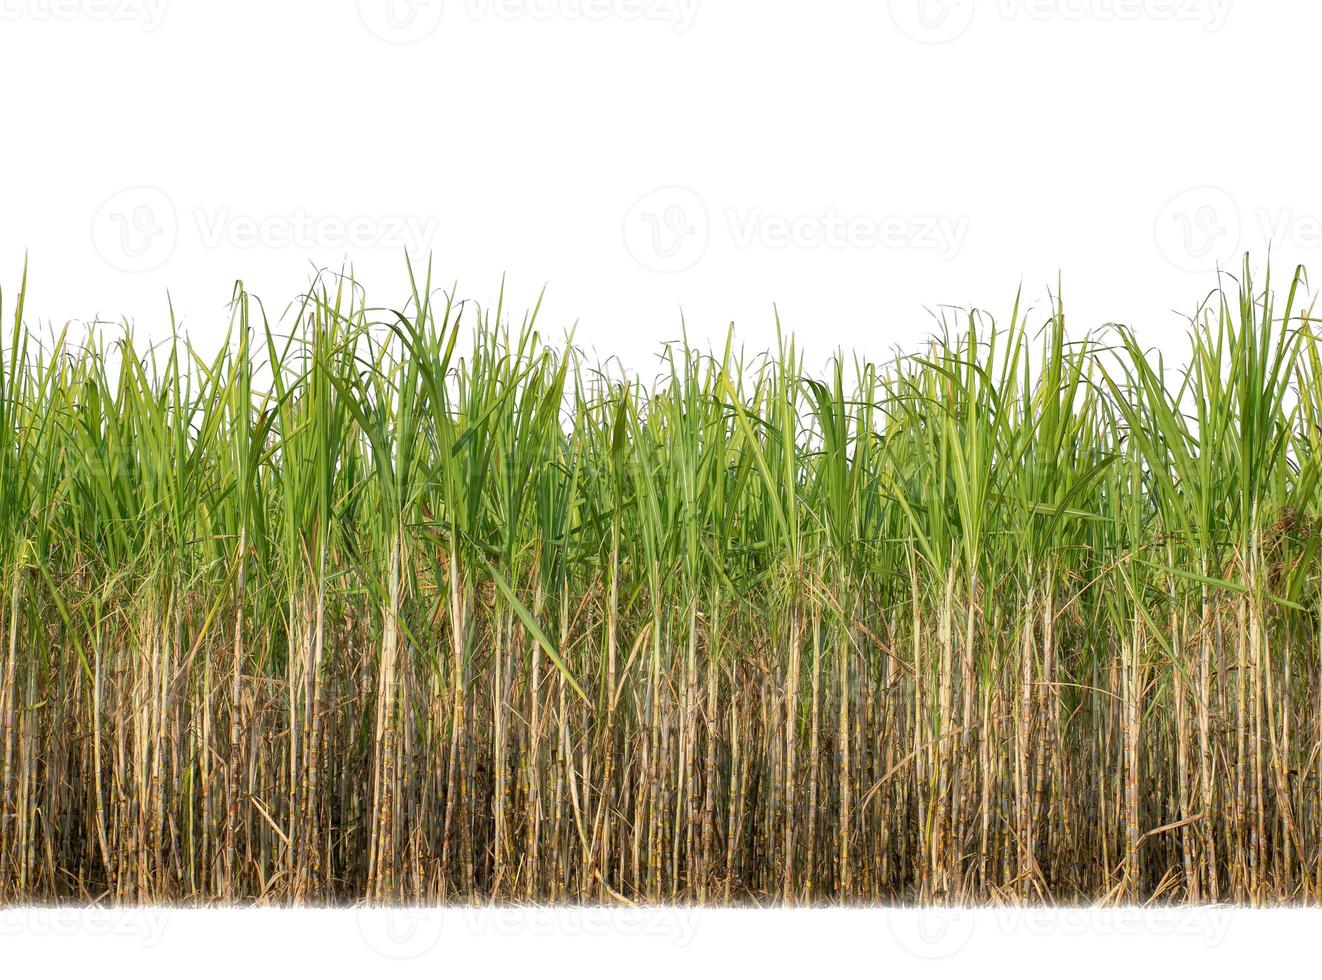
(408, 605)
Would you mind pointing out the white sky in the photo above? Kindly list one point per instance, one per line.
(817, 157)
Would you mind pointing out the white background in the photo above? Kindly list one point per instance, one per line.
(660, 943)
(855, 163)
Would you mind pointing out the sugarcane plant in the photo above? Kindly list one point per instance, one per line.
(411, 604)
